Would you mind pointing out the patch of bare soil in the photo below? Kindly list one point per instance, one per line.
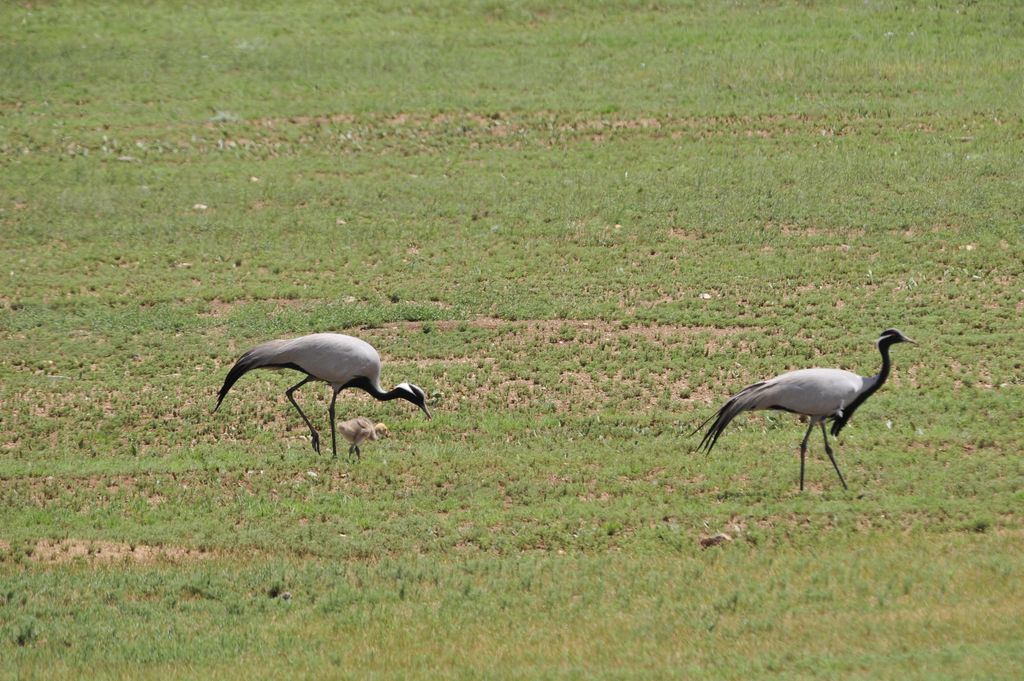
(793, 230)
(684, 234)
(100, 551)
(503, 123)
(545, 329)
(221, 308)
(427, 133)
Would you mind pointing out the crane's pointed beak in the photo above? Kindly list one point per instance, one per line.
(426, 411)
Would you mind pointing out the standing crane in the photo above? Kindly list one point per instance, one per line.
(339, 360)
(819, 394)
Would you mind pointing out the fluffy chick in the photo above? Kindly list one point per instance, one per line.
(360, 429)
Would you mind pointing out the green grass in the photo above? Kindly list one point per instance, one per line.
(579, 229)
(743, 613)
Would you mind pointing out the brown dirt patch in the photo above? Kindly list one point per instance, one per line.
(544, 329)
(221, 308)
(64, 551)
(282, 122)
(429, 133)
(684, 234)
(810, 231)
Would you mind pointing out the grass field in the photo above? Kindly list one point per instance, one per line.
(580, 228)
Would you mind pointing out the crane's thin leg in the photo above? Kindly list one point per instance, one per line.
(828, 450)
(803, 453)
(316, 435)
(330, 410)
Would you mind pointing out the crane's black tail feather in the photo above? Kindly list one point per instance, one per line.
(703, 423)
(245, 364)
(260, 357)
(739, 403)
(722, 418)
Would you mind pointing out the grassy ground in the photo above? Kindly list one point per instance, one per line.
(579, 229)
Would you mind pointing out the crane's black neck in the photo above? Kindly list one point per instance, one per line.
(883, 374)
(840, 420)
(363, 383)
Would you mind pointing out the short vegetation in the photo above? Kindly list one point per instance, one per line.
(579, 227)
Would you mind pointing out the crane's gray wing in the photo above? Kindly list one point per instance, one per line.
(817, 393)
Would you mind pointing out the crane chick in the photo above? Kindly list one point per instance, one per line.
(360, 429)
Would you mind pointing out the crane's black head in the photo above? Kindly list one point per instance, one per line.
(415, 394)
(891, 336)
